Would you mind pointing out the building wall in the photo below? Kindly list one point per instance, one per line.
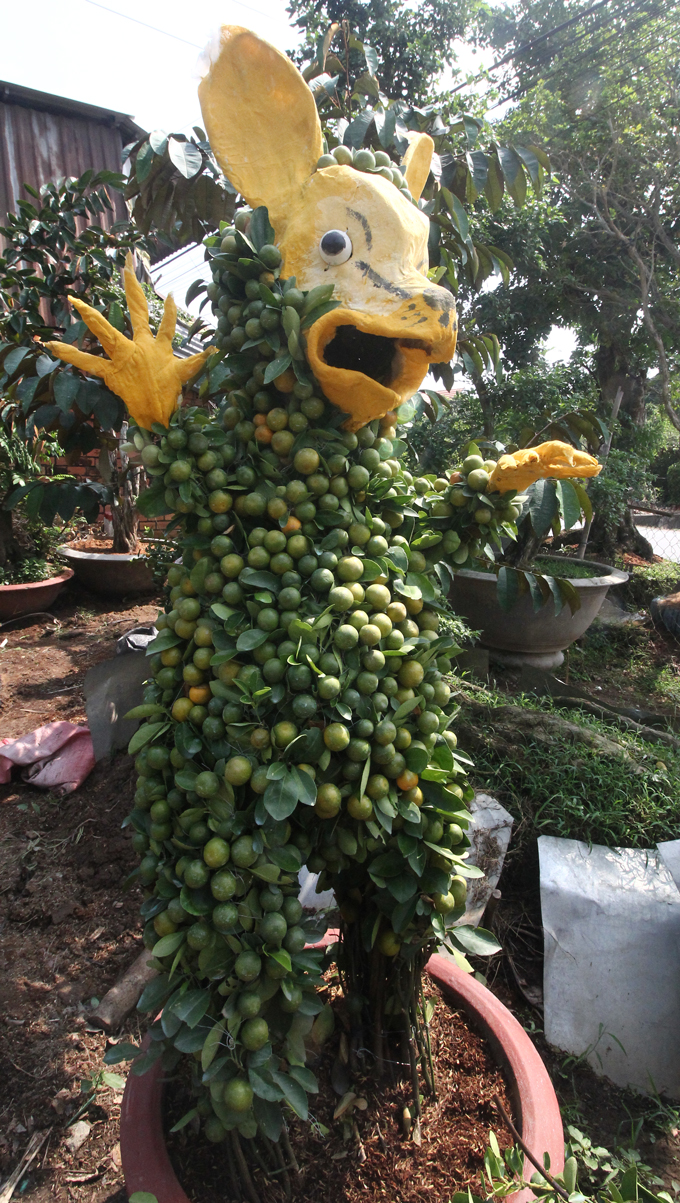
(44, 137)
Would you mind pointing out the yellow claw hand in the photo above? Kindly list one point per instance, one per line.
(143, 370)
(522, 468)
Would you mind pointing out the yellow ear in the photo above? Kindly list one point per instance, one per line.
(417, 161)
(261, 120)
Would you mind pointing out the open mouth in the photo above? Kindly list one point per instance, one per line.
(374, 355)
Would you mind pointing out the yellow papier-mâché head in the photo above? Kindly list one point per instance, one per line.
(552, 459)
(143, 370)
(371, 353)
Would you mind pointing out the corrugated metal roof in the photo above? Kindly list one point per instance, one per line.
(44, 137)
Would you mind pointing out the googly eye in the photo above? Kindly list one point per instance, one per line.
(335, 247)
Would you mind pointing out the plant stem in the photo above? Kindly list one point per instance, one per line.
(527, 1152)
(243, 1168)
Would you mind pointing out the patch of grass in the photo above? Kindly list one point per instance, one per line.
(645, 583)
(569, 568)
(629, 659)
(565, 566)
(578, 793)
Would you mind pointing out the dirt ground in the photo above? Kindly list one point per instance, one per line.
(68, 929)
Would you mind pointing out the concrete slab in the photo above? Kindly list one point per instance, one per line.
(611, 919)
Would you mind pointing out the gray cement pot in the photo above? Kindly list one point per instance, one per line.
(523, 636)
(113, 574)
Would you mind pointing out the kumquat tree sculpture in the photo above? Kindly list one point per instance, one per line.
(298, 713)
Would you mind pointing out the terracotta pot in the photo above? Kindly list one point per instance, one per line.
(16, 600)
(522, 635)
(147, 1166)
(112, 573)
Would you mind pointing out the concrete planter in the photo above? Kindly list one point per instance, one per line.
(109, 573)
(523, 636)
(147, 1166)
(37, 596)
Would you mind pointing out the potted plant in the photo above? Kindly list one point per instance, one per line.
(528, 604)
(30, 575)
(297, 711)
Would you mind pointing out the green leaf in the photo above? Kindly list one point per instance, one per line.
(168, 944)
(143, 1196)
(282, 958)
(507, 587)
(281, 797)
(287, 858)
(114, 1081)
(186, 157)
(249, 640)
(305, 787)
(263, 1086)
(269, 1118)
(192, 1006)
(144, 735)
(495, 185)
(371, 570)
(543, 506)
(253, 579)
(569, 593)
(181, 1123)
(124, 1051)
(164, 640)
(306, 1079)
(417, 759)
(276, 367)
(570, 505)
(154, 993)
(146, 710)
(260, 230)
(293, 1093)
(476, 940)
(584, 499)
(406, 708)
(212, 1044)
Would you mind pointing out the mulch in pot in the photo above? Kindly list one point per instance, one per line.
(368, 1157)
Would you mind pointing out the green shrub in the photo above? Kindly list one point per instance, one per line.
(645, 583)
(673, 484)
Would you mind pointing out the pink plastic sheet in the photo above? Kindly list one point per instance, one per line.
(58, 757)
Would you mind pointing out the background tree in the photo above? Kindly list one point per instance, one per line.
(54, 251)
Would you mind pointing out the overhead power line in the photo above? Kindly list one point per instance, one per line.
(165, 32)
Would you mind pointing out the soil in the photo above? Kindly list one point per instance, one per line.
(43, 664)
(366, 1153)
(104, 546)
(68, 929)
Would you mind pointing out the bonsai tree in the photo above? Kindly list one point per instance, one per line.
(297, 712)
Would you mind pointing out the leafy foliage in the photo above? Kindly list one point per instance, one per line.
(52, 256)
(177, 191)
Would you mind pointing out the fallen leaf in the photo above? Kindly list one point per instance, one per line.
(344, 1104)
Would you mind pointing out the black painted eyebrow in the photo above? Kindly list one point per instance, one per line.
(380, 282)
(363, 222)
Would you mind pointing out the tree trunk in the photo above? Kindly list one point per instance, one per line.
(613, 373)
(488, 417)
(8, 546)
(127, 483)
(609, 543)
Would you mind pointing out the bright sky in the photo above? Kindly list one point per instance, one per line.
(85, 51)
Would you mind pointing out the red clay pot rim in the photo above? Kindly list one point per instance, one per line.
(147, 1166)
(50, 580)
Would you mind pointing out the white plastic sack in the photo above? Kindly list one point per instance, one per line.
(611, 920)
